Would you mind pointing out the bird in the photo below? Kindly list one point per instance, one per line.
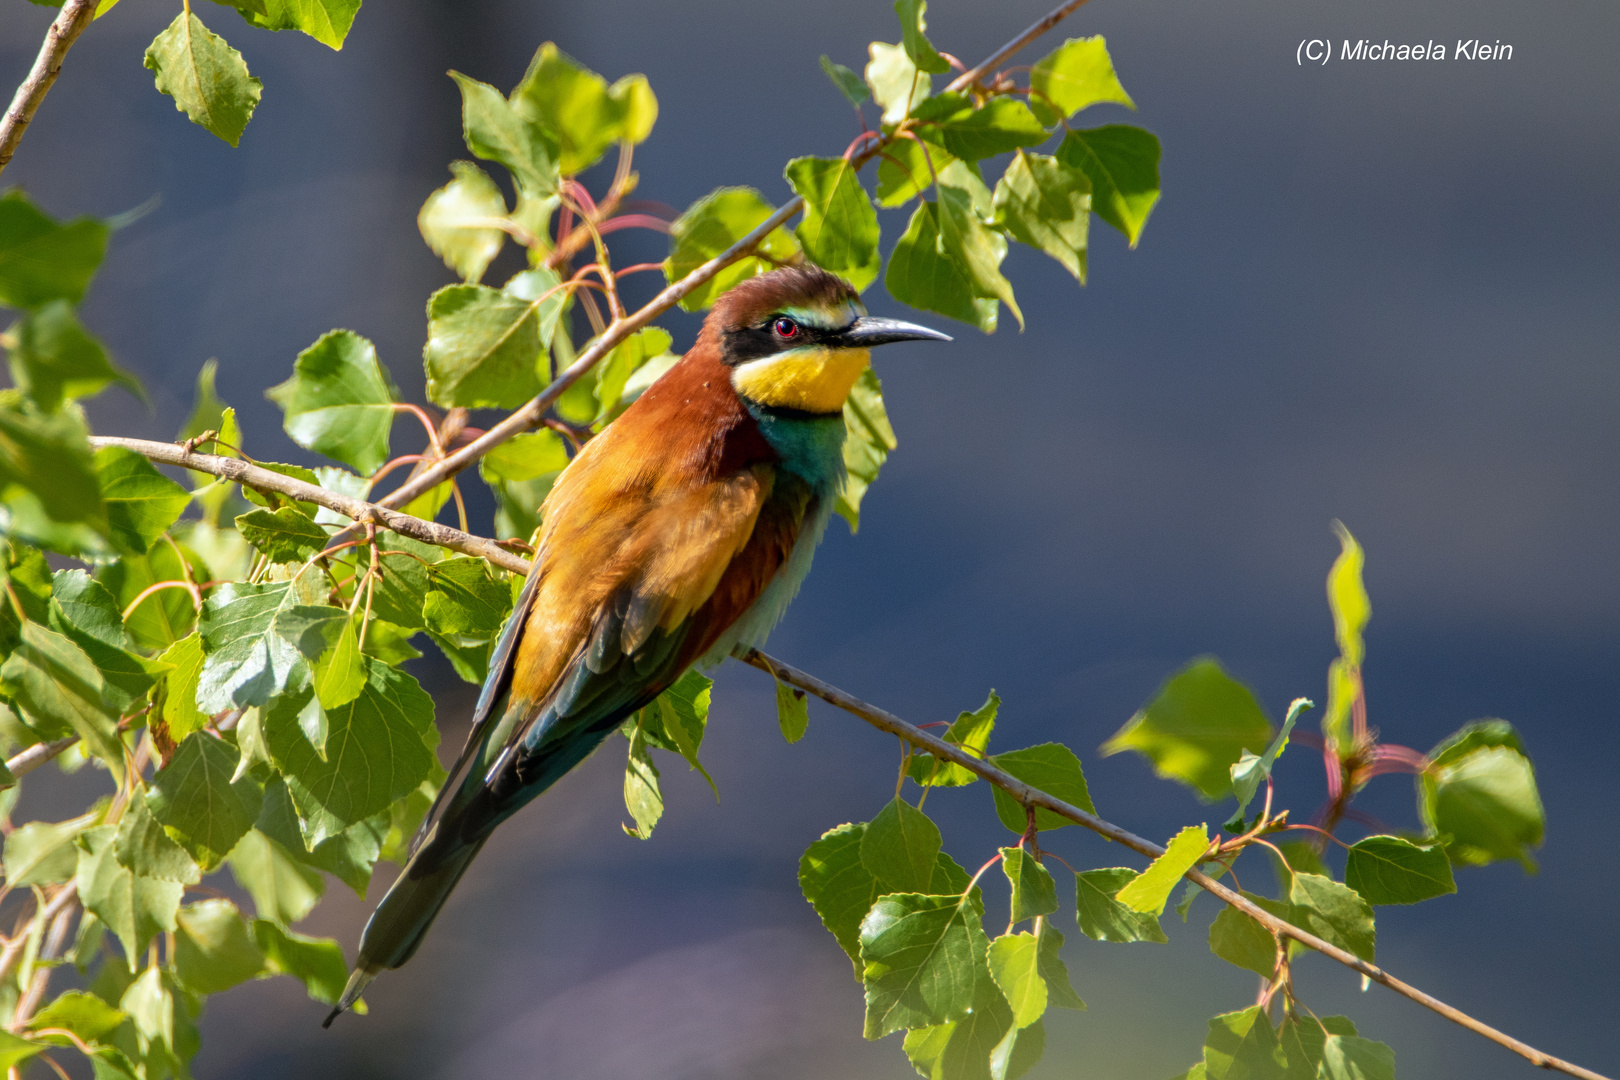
(675, 537)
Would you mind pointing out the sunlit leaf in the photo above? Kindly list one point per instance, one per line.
(900, 848)
(1243, 1046)
(133, 907)
(316, 962)
(327, 21)
(1122, 163)
(213, 948)
(970, 731)
(497, 130)
(1103, 918)
(897, 85)
(339, 401)
(43, 260)
(868, 441)
(922, 955)
(486, 347)
(1389, 870)
(921, 276)
(1076, 74)
(1050, 767)
(713, 224)
(1479, 794)
(208, 79)
(586, 114)
(54, 358)
(141, 502)
(848, 83)
(1046, 204)
(1150, 890)
(971, 131)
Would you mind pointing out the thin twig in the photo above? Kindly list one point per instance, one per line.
(75, 16)
(1030, 796)
(974, 74)
(58, 914)
(38, 754)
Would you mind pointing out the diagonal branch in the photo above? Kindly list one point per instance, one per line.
(1031, 797)
(528, 416)
(75, 16)
(456, 540)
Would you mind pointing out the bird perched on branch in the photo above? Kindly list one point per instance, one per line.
(678, 534)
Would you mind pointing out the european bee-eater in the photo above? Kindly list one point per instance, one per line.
(677, 535)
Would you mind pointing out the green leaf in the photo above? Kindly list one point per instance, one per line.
(49, 457)
(164, 1017)
(900, 848)
(340, 674)
(1243, 1046)
(1333, 912)
(141, 502)
(587, 114)
(907, 170)
(848, 83)
(213, 949)
(54, 358)
(897, 85)
(257, 638)
(1298, 856)
(973, 132)
(921, 276)
(1303, 1038)
(339, 401)
(1347, 596)
(379, 747)
(134, 907)
(1103, 918)
(43, 853)
(914, 31)
(1347, 1057)
(627, 357)
(83, 611)
(316, 962)
(486, 348)
(283, 889)
(922, 954)
(1015, 966)
(526, 457)
(792, 712)
(284, 536)
(15, 1050)
(1122, 163)
(178, 709)
(1251, 768)
(43, 260)
(677, 719)
(1389, 870)
(971, 731)
(389, 643)
(273, 499)
(466, 598)
(197, 802)
(455, 221)
(967, 1049)
(837, 884)
(1238, 939)
(1479, 795)
(208, 79)
(1046, 204)
(497, 131)
(349, 856)
(401, 593)
(1054, 769)
(60, 691)
(143, 847)
(713, 224)
(1059, 992)
(1195, 728)
(975, 248)
(868, 441)
(165, 616)
(643, 796)
(1076, 74)
(327, 21)
(86, 1015)
(1150, 890)
(1033, 890)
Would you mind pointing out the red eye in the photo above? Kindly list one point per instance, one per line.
(785, 327)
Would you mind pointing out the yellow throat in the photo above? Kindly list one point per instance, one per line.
(812, 380)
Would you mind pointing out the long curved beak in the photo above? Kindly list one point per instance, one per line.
(869, 330)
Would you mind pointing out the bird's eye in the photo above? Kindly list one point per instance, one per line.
(785, 327)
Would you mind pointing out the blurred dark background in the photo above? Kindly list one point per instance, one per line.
(1372, 291)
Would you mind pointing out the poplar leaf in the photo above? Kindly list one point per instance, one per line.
(340, 674)
(496, 131)
(60, 692)
(868, 441)
(42, 259)
(49, 456)
(1046, 204)
(643, 797)
(283, 536)
(1076, 74)
(1238, 939)
(165, 616)
(198, 803)
(1122, 164)
(54, 358)
(922, 956)
(839, 886)
(43, 852)
(983, 1045)
(1015, 966)
(283, 889)
(1059, 991)
(848, 83)
(86, 1015)
(327, 21)
(587, 114)
(907, 170)
(971, 131)
(914, 31)
(713, 224)
(792, 712)
(141, 502)
(1303, 1039)
(257, 638)
(486, 347)
(1333, 912)
(1103, 918)
(339, 401)
(142, 846)
(1150, 890)
(921, 276)
(1479, 794)
(897, 85)
(133, 907)
(1251, 769)
(1034, 892)
(316, 962)
(464, 597)
(900, 848)
(213, 948)
(1243, 1046)
(207, 78)
(974, 247)
(454, 221)
(1348, 1057)
(1195, 728)
(971, 731)
(1054, 769)
(1389, 870)
(179, 704)
(82, 610)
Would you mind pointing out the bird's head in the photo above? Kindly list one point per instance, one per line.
(799, 337)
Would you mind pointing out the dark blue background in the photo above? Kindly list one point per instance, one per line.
(1372, 291)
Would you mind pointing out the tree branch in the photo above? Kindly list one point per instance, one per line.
(528, 416)
(75, 16)
(37, 755)
(1030, 796)
(456, 540)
